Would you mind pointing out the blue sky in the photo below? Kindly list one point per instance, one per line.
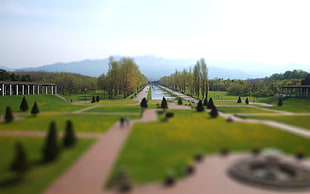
(35, 33)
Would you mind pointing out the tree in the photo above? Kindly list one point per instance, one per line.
(23, 105)
(51, 149)
(214, 112)
(20, 163)
(280, 102)
(247, 101)
(69, 138)
(180, 101)
(239, 100)
(199, 106)
(97, 98)
(35, 109)
(8, 115)
(122, 181)
(210, 103)
(143, 103)
(164, 104)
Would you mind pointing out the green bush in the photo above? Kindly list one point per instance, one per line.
(8, 115)
(51, 149)
(69, 139)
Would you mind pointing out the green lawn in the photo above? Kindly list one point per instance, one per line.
(45, 103)
(117, 109)
(154, 148)
(242, 110)
(82, 122)
(293, 105)
(299, 121)
(41, 175)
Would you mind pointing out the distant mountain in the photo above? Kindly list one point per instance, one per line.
(156, 67)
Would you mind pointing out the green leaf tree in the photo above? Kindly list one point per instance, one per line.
(23, 105)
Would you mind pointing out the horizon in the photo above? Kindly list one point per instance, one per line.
(270, 33)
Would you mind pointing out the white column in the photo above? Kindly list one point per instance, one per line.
(23, 89)
(52, 90)
(3, 90)
(33, 89)
(10, 89)
(16, 90)
(38, 89)
(45, 89)
(28, 89)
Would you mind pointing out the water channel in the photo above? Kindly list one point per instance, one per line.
(158, 94)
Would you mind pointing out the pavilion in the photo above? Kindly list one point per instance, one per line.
(9, 88)
(296, 90)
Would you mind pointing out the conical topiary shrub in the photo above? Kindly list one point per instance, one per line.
(69, 138)
(247, 101)
(280, 102)
(51, 149)
(143, 103)
(164, 104)
(210, 104)
(20, 163)
(8, 117)
(199, 106)
(93, 99)
(214, 112)
(180, 102)
(23, 105)
(35, 109)
(205, 102)
(239, 100)
(122, 181)
(97, 98)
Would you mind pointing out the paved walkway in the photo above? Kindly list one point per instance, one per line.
(92, 170)
(188, 98)
(142, 94)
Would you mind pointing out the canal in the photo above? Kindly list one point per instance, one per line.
(158, 94)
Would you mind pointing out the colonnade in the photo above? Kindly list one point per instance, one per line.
(300, 90)
(26, 88)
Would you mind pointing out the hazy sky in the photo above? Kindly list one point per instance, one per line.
(34, 33)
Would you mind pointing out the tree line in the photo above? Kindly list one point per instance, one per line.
(193, 81)
(123, 77)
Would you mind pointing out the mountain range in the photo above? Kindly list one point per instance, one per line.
(156, 67)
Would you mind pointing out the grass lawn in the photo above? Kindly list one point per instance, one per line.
(82, 122)
(45, 103)
(299, 121)
(154, 148)
(117, 109)
(242, 110)
(40, 175)
(222, 95)
(293, 105)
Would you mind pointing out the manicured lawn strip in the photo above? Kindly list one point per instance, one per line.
(221, 95)
(299, 121)
(81, 122)
(293, 105)
(242, 110)
(41, 175)
(116, 102)
(149, 94)
(125, 109)
(45, 103)
(154, 148)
